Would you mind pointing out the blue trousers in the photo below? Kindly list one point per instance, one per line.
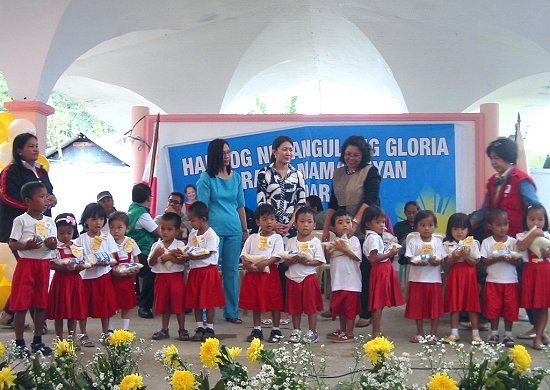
(229, 253)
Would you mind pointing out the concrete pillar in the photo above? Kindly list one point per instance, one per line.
(140, 151)
(490, 112)
(35, 111)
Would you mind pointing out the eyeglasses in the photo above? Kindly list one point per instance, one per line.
(227, 152)
(173, 201)
(353, 155)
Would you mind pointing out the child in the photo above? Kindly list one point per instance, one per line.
(261, 288)
(128, 251)
(303, 294)
(501, 292)
(169, 280)
(65, 300)
(33, 240)
(345, 276)
(204, 284)
(98, 291)
(461, 289)
(535, 289)
(425, 296)
(384, 289)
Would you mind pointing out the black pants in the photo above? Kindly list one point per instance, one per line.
(365, 280)
(147, 295)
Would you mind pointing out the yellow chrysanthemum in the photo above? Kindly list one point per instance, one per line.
(209, 351)
(131, 382)
(253, 352)
(377, 348)
(7, 378)
(520, 357)
(234, 352)
(119, 337)
(170, 355)
(442, 382)
(2, 350)
(64, 348)
(182, 380)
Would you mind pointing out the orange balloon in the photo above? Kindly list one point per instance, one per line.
(42, 160)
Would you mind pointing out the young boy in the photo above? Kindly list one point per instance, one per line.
(501, 292)
(169, 281)
(33, 238)
(261, 288)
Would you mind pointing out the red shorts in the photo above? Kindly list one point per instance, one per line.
(30, 284)
(204, 288)
(346, 304)
(261, 291)
(424, 300)
(99, 296)
(304, 297)
(125, 292)
(384, 289)
(461, 289)
(65, 299)
(535, 285)
(501, 300)
(169, 293)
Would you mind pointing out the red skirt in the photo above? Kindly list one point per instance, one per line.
(125, 292)
(169, 293)
(65, 299)
(30, 284)
(346, 304)
(535, 285)
(204, 288)
(304, 297)
(99, 296)
(261, 291)
(501, 300)
(384, 289)
(462, 290)
(424, 300)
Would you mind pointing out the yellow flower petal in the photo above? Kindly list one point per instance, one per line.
(64, 348)
(131, 382)
(2, 350)
(7, 378)
(182, 380)
(253, 351)
(120, 337)
(170, 355)
(209, 352)
(520, 357)
(234, 352)
(377, 348)
(442, 382)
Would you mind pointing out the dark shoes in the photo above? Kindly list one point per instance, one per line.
(275, 336)
(145, 313)
(41, 347)
(161, 335)
(199, 333)
(256, 334)
(208, 333)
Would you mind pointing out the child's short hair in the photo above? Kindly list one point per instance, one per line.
(535, 206)
(495, 213)
(199, 209)
(411, 203)
(119, 216)
(29, 189)
(172, 217)
(67, 219)
(339, 213)
(140, 193)
(304, 210)
(93, 210)
(372, 212)
(264, 209)
(457, 220)
(504, 148)
(422, 214)
(315, 202)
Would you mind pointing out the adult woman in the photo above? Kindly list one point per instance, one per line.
(355, 186)
(221, 189)
(191, 195)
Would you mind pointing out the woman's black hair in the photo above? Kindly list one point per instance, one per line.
(214, 163)
(535, 206)
(411, 203)
(93, 210)
(190, 186)
(315, 202)
(198, 209)
(67, 219)
(18, 144)
(119, 216)
(422, 214)
(457, 220)
(362, 144)
(372, 212)
(278, 142)
(339, 213)
(504, 148)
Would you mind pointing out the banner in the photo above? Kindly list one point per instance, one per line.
(416, 162)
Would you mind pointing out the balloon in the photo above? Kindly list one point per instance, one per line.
(6, 153)
(42, 160)
(20, 126)
(5, 119)
(3, 133)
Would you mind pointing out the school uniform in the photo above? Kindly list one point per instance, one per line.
(535, 285)
(303, 294)
(425, 295)
(501, 292)
(262, 291)
(125, 290)
(204, 283)
(461, 288)
(32, 272)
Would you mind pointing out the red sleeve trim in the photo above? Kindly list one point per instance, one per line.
(4, 193)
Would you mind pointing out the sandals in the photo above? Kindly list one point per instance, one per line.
(86, 342)
(267, 322)
(344, 338)
(161, 335)
(416, 338)
(334, 335)
(285, 322)
(234, 320)
(362, 323)
(183, 335)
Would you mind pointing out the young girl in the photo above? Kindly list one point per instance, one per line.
(345, 276)
(303, 294)
(261, 288)
(461, 289)
(128, 251)
(425, 296)
(204, 284)
(535, 290)
(98, 291)
(384, 289)
(65, 300)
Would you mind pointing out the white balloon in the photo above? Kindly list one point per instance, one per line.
(6, 153)
(20, 126)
